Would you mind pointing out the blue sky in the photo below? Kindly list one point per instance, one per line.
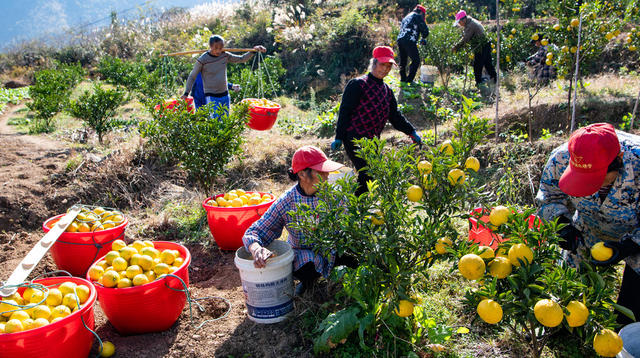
(26, 19)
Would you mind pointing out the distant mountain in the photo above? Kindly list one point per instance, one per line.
(31, 19)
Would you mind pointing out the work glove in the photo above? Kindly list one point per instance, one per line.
(570, 237)
(621, 250)
(416, 138)
(336, 144)
(423, 42)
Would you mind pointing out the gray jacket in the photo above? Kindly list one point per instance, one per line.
(472, 33)
(214, 71)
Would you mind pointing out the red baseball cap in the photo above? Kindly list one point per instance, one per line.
(591, 150)
(314, 158)
(421, 8)
(384, 54)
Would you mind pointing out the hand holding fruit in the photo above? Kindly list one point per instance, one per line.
(621, 250)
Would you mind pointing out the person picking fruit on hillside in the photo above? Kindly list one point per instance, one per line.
(309, 166)
(597, 173)
(538, 61)
(367, 104)
(474, 34)
(411, 27)
(213, 67)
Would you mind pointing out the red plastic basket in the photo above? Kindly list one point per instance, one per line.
(67, 338)
(152, 307)
(262, 118)
(74, 252)
(228, 225)
(174, 103)
(482, 234)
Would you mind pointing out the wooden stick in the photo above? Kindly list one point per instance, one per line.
(190, 52)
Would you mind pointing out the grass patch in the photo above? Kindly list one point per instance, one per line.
(188, 221)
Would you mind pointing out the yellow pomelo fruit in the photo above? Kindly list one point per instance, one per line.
(499, 215)
(161, 269)
(19, 315)
(600, 252)
(140, 279)
(578, 314)
(40, 322)
(535, 37)
(500, 267)
(179, 261)
(6, 306)
(134, 259)
(404, 309)
(145, 262)
(54, 298)
(414, 193)
(110, 279)
(60, 311)
(37, 296)
(167, 256)
(424, 167)
(108, 349)
(377, 218)
(456, 176)
(83, 293)
(490, 311)
(124, 283)
(606, 343)
(548, 313)
(544, 42)
(446, 147)
(236, 203)
(112, 255)
(471, 266)
(13, 326)
(147, 243)
(119, 264)
(150, 275)
(442, 244)
(138, 245)
(69, 300)
(95, 272)
(486, 252)
(522, 252)
(133, 271)
(151, 252)
(472, 163)
(127, 252)
(41, 311)
(575, 22)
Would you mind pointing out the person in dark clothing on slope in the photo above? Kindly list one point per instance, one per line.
(367, 104)
(474, 34)
(411, 28)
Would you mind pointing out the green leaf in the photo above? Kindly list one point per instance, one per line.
(462, 330)
(365, 323)
(336, 327)
(625, 311)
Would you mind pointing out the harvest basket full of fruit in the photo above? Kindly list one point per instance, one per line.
(88, 237)
(262, 113)
(230, 214)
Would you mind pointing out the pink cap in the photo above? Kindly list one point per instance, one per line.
(314, 158)
(459, 16)
(384, 54)
(591, 150)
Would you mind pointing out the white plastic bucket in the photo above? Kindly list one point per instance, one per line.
(630, 335)
(428, 74)
(268, 291)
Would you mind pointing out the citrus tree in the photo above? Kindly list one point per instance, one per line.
(437, 51)
(515, 44)
(397, 230)
(525, 286)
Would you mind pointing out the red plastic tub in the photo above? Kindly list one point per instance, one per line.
(175, 103)
(262, 118)
(74, 252)
(482, 234)
(67, 338)
(153, 307)
(228, 225)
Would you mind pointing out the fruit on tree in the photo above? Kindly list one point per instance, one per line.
(535, 37)
(500, 267)
(520, 252)
(456, 176)
(377, 218)
(544, 42)
(486, 252)
(548, 313)
(472, 163)
(607, 343)
(471, 266)
(575, 22)
(499, 215)
(446, 147)
(404, 309)
(599, 252)
(442, 244)
(490, 311)
(424, 167)
(578, 314)
(414, 193)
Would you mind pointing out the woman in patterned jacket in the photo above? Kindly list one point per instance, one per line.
(598, 174)
(309, 165)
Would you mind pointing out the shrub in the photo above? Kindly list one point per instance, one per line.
(98, 108)
(200, 145)
(50, 93)
(438, 52)
(129, 74)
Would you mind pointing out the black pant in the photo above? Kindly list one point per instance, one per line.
(408, 48)
(482, 59)
(307, 273)
(358, 163)
(629, 295)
